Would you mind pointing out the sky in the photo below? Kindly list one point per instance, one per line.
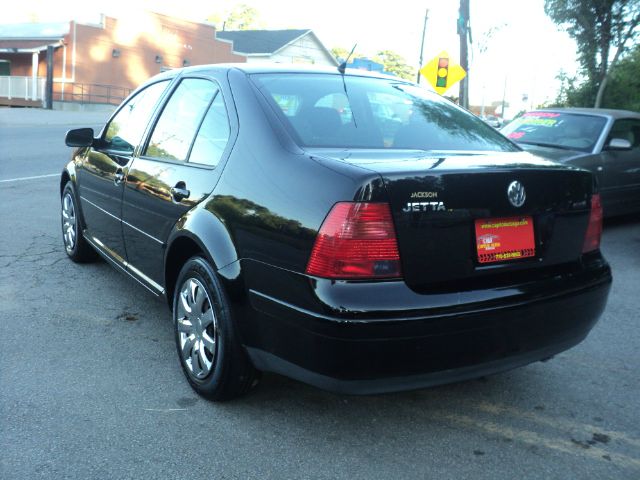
(524, 53)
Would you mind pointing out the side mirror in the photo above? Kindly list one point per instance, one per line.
(619, 144)
(79, 137)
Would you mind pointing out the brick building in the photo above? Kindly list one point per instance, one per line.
(101, 63)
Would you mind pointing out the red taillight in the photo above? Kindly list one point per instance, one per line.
(356, 240)
(594, 230)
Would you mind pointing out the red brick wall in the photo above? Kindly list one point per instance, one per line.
(20, 63)
(138, 40)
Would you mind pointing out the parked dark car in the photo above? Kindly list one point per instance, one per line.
(294, 229)
(607, 142)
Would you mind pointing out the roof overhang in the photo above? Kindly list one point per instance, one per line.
(37, 49)
(31, 39)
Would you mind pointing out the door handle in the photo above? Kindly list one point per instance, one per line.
(180, 192)
(118, 177)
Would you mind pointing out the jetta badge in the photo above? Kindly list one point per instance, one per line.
(516, 194)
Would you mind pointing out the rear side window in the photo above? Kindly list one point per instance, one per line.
(212, 136)
(176, 128)
(125, 130)
(332, 110)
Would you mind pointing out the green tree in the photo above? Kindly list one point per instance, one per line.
(597, 26)
(396, 64)
(623, 89)
(624, 86)
(241, 17)
(572, 93)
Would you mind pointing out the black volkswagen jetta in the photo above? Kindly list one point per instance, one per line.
(351, 231)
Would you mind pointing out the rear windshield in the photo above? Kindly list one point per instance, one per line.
(558, 130)
(326, 110)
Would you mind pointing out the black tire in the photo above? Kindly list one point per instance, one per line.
(212, 358)
(77, 248)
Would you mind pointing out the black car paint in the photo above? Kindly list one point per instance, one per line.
(437, 247)
(151, 206)
(362, 338)
(255, 218)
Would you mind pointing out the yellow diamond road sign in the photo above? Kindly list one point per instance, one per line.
(441, 73)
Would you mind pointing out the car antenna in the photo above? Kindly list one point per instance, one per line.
(341, 68)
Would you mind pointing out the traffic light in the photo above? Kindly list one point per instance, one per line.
(443, 72)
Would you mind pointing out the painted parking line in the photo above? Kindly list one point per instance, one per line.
(22, 179)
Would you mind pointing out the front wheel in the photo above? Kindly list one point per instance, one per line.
(212, 359)
(75, 245)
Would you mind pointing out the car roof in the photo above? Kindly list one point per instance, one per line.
(604, 112)
(275, 68)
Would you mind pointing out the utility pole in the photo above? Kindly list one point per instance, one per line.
(424, 31)
(463, 32)
(49, 82)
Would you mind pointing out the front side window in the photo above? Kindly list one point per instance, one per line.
(348, 111)
(626, 129)
(125, 130)
(176, 128)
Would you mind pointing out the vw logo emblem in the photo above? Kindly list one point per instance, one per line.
(516, 194)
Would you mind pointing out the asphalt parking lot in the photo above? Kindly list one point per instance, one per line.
(90, 386)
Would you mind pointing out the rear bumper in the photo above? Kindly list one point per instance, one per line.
(374, 350)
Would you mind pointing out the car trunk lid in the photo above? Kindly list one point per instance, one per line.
(439, 200)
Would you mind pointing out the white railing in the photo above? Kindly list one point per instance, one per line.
(23, 88)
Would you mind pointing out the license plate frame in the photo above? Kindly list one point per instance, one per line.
(504, 239)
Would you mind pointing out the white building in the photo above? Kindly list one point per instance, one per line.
(281, 46)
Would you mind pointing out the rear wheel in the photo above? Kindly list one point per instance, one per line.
(209, 350)
(77, 248)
